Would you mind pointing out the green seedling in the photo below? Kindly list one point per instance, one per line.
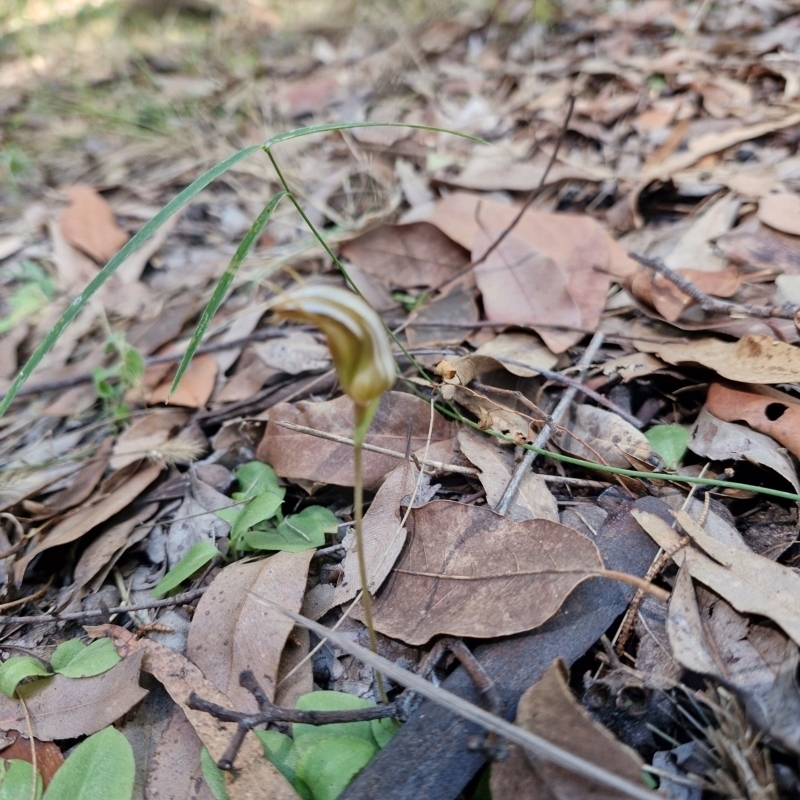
(670, 442)
(33, 294)
(126, 372)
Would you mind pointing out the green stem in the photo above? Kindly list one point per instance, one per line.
(363, 417)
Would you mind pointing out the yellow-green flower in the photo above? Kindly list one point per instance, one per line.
(356, 337)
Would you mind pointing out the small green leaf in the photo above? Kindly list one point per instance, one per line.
(132, 369)
(329, 766)
(19, 668)
(297, 532)
(214, 776)
(65, 652)
(99, 768)
(670, 442)
(258, 509)
(16, 782)
(331, 701)
(279, 749)
(95, 659)
(196, 558)
(254, 478)
(383, 730)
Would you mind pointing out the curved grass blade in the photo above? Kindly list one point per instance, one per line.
(224, 284)
(134, 244)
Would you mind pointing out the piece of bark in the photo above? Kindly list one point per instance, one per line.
(428, 757)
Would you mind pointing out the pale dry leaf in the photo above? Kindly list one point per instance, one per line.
(749, 582)
(726, 441)
(88, 224)
(781, 211)
(550, 710)
(752, 359)
(230, 632)
(595, 432)
(299, 455)
(298, 351)
(254, 775)
(130, 484)
(528, 351)
(66, 708)
(146, 434)
(457, 306)
(496, 463)
(467, 571)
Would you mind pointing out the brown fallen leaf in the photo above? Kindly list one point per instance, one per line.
(298, 455)
(750, 583)
(725, 441)
(549, 709)
(65, 708)
(527, 352)
(231, 631)
(457, 305)
(88, 224)
(496, 463)
(467, 571)
(761, 247)
(175, 771)
(254, 775)
(195, 387)
(407, 256)
(753, 359)
(147, 433)
(781, 210)
(48, 755)
(776, 414)
(116, 493)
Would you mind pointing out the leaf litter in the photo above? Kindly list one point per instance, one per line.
(682, 146)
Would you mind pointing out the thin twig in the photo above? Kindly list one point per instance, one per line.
(178, 599)
(22, 600)
(544, 436)
(714, 304)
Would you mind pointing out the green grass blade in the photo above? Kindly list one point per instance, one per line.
(224, 284)
(134, 244)
(343, 126)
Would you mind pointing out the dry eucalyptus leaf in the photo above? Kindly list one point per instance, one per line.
(752, 359)
(750, 583)
(254, 775)
(65, 708)
(467, 571)
(726, 441)
(780, 210)
(195, 387)
(231, 631)
(88, 224)
(496, 463)
(599, 434)
(549, 709)
(527, 350)
(299, 455)
(147, 433)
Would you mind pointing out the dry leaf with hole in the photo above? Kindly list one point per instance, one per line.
(753, 359)
(231, 631)
(88, 224)
(750, 583)
(781, 210)
(496, 463)
(596, 435)
(725, 441)
(254, 775)
(66, 708)
(775, 414)
(550, 710)
(467, 571)
(299, 455)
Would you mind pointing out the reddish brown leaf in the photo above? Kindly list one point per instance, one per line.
(88, 223)
(48, 755)
(195, 387)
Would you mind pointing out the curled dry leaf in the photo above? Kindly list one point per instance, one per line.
(776, 414)
(749, 582)
(467, 571)
(299, 455)
(231, 632)
(752, 359)
(254, 775)
(496, 463)
(65, 708)
(549, 709)
(726, 441)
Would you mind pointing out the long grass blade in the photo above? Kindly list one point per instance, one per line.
(108, 270)
(224, 284)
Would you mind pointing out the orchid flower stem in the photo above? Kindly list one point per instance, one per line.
(363, 417)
